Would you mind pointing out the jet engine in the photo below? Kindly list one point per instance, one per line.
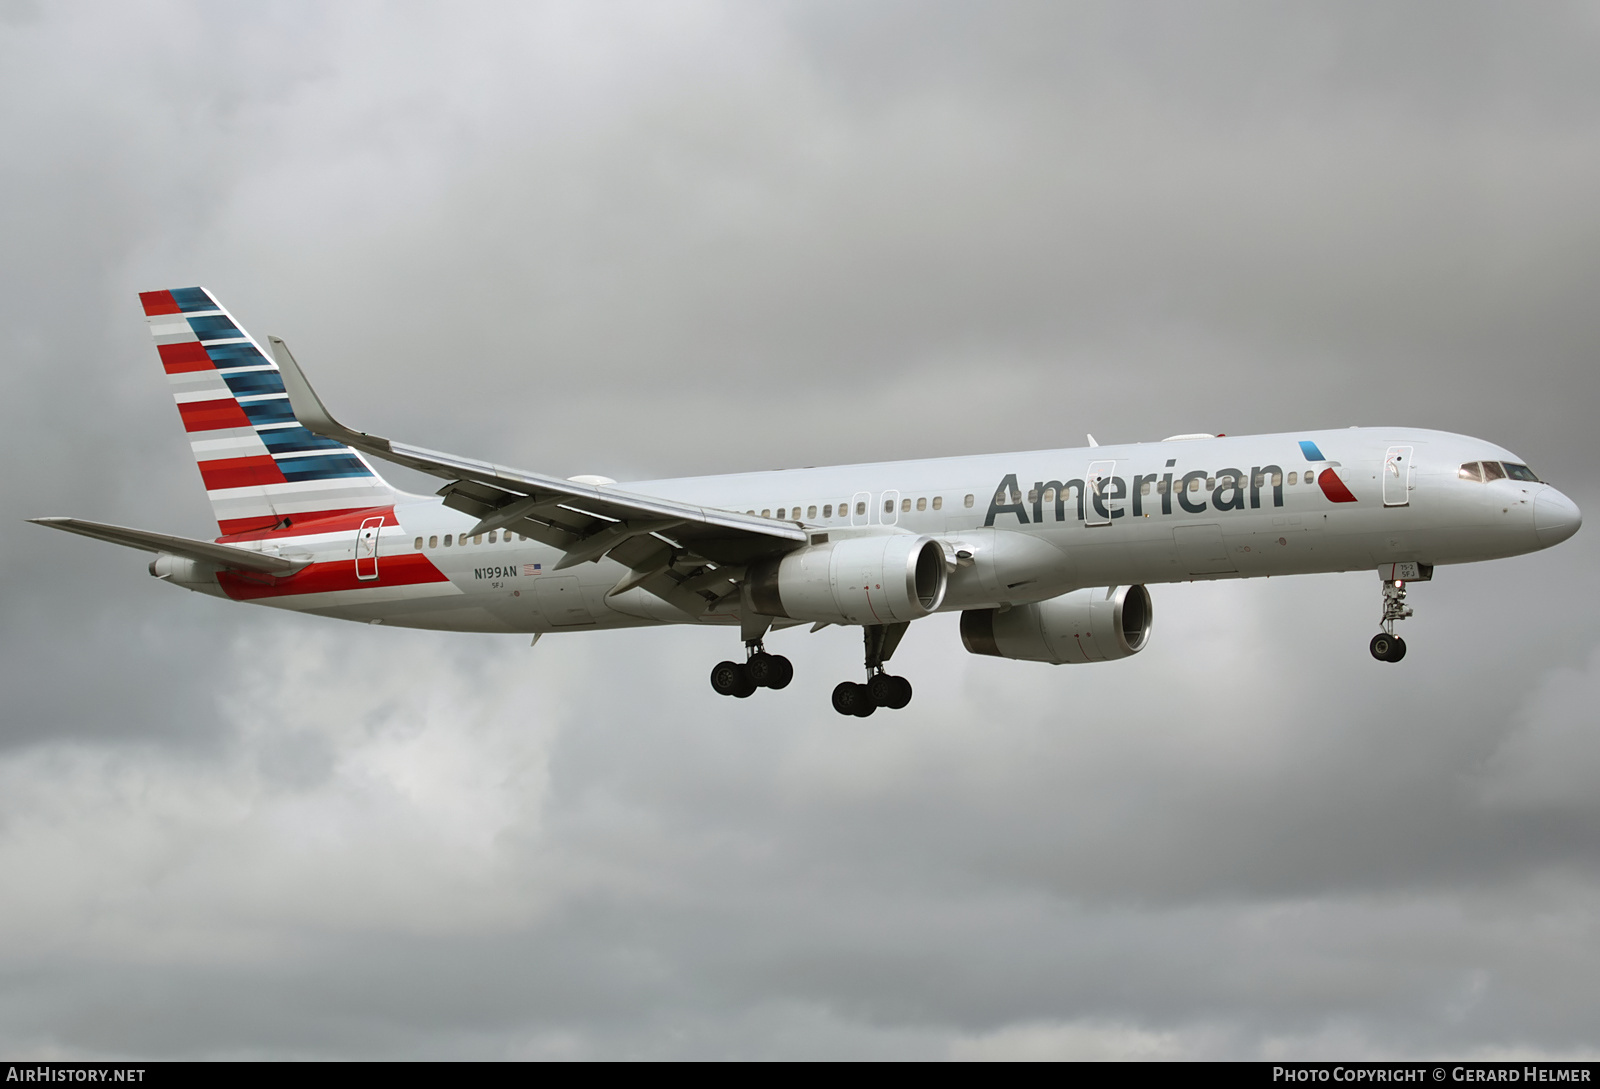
(1098, 625)
(858, 580)
(186, 573)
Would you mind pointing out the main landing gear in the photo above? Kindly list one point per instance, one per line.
(1386, 646)
(882, 689)
(759, 670)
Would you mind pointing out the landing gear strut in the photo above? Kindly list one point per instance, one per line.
(759, 670)
(882, 689)
(1386, 646)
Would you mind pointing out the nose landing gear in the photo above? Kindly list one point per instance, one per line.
(1386, 646)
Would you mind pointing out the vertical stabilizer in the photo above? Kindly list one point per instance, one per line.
(262, 470)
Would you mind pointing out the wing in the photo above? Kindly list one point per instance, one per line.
(690, 556)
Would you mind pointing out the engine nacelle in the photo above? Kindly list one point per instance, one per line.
(186, 573)
(1098, 625)
(858, 580)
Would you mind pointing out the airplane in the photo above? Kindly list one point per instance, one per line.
(1048, 555)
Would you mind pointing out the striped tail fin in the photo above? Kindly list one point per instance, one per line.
(262, 470)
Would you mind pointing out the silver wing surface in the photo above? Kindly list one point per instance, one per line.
(690, 556)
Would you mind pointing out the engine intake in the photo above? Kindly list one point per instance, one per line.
(1097, 625)
(857, 580)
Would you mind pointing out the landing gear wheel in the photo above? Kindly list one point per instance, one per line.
(881, 689)
(770, 670)
(901, 695)
(1387, 648)
(760, 667)
(850, 698)
(732, 679)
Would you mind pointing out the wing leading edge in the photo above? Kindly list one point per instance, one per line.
(688, 555)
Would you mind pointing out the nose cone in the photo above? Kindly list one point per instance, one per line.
(1555, 517)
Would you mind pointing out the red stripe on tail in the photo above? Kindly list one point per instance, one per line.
(241, 472)
(189, 356)
(407, 569)
(158, 302)
(212, 415)
(261, 527)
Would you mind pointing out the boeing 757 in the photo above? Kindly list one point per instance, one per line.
(1047, 555)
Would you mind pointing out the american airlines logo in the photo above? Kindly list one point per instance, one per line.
(1109, 497)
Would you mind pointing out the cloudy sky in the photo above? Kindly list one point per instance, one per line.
(661, 239)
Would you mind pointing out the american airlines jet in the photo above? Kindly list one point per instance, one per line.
(1047, 554)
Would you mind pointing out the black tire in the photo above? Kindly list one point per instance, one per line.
(782, 672)
(864, 702)
(844, 697)
(901, 696)
(748, 688)
(1398, 651)
(881, 689)
(760, 667)
(728, 678)
(1382, 646)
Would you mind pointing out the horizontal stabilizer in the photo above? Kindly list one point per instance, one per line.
(210, 552)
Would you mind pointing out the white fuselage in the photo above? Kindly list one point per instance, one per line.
(1026, 525)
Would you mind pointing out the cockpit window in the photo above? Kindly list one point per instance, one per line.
(1520, 472)
(1492, 471)
(1470, 471)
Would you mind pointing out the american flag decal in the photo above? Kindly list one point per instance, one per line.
(530, 568)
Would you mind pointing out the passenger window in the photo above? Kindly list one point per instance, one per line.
(433, 542)
(827, 510)
(1194, 485)
(766, 512)
(1294, 478)
(888, 506)
(1049, 495)
(1161, 487)
(922, 502)
(1033, 495)
(1144, 489)
(419, 544)
(811, 512)
(1470, 471)
(492, 533)
(1277, 480)
(861, 508)
(447, 540)
(938, 502)
(780, 513)
(1310, 476)
(1492, 471)
(905, 506)
(968, 501)
(1211, 483)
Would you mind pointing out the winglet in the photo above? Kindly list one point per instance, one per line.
(308, 407)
